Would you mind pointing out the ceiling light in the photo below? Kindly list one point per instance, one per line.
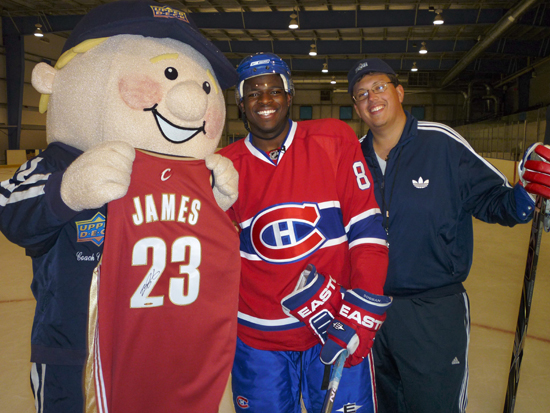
(438, 18)
(414, 68)
(333, 81)
(313, 50)
(423, 49)
(325, 68)
(38, 31)
(293, 22)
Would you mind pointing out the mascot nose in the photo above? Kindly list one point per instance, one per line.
(188, 101)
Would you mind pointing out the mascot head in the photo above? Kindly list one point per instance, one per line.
(139, 72)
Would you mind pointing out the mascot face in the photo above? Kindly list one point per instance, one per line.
(156, 94)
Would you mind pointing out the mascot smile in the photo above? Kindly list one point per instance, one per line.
(175, 133)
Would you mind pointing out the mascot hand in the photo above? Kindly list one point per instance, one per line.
(226, 180)
(99, 175)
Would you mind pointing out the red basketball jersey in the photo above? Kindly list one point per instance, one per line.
(168, 293)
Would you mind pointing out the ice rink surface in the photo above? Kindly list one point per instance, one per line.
(494, 287)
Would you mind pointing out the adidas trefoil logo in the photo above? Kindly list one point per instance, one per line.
(421, 184)
(455, 361)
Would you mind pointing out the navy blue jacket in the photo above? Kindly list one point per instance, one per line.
(65, 247)
(433, 185)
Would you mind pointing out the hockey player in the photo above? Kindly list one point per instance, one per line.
(429, 183)
(305, 197)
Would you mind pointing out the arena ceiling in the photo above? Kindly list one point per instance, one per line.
(492, 40)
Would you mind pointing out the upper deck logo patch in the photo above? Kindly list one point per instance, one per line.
(169, 13)
(91, 230)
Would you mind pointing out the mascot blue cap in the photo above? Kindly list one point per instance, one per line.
(151, 19)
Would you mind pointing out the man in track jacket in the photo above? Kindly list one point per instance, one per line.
(429, 183)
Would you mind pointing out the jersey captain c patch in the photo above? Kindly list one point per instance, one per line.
(287, 232)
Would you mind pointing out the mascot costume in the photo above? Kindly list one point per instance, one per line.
(136, 265)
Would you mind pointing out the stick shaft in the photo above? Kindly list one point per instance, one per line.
(525, 304)
(527, 291)
(334, 382)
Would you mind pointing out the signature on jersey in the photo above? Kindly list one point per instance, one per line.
(152, 276)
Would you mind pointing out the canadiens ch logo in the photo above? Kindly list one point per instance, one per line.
(92, 230)
(242, 402)
(287, 233)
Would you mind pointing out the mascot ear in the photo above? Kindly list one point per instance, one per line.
(42, 78)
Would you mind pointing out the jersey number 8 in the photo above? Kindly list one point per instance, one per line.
(362, 180)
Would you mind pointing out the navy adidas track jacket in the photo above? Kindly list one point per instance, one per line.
(64, 245)
(433, 185)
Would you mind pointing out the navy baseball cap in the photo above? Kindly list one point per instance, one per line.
(151, 19)
(361, 68)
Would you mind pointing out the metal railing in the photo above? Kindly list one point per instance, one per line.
(508, 137)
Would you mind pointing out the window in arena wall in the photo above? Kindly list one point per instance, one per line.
(418, 112)
(306, 112)
(346, 112)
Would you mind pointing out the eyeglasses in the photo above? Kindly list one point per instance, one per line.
(377, 88)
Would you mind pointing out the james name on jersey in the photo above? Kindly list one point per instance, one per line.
(146, 209)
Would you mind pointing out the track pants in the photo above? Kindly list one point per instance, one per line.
(57, 389)
(421, 356)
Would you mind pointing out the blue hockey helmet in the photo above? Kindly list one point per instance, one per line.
(262, 64)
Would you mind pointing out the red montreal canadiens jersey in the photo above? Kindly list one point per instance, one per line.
(168, 292)
(314, 204)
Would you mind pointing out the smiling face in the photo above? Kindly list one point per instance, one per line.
(156, 94)
(381, 112)
(266, 105)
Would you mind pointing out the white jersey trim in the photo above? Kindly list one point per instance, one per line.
(263, 156)
(250, 257)
(376, 241)
(322, 205)
(335, 241)
(328, 243)
(329, 204)
(362, 216)
(265, 322)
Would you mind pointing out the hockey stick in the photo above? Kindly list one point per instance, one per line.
(527, 292)
(334, 382)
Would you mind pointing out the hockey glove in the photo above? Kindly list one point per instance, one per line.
(360, 316)
(534, 171)
(314, 301)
